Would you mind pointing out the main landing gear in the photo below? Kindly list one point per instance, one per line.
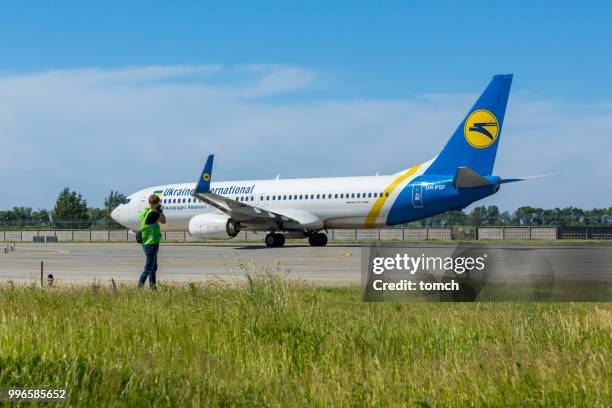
(317, 239)
(274, 240)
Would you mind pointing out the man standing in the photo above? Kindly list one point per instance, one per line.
(150, 218)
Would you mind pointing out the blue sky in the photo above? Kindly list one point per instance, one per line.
(264, 83)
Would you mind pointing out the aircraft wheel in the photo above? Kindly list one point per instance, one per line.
(270, 240)
(317, 239)
(275, 240)
(312, 239)
(280, 240)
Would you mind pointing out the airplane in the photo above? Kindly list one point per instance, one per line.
(304, 208)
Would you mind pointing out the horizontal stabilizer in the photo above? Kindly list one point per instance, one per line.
(468, 178)
(514, 180)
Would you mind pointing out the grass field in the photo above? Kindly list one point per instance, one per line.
(284, 344)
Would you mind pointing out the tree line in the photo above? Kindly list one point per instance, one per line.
(72, 212)
(523, 216)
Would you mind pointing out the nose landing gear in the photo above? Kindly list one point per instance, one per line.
(274, 240)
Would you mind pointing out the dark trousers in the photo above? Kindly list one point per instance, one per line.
(150, 269)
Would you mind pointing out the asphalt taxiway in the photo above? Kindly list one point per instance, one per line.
(331, 265)
(86, 262)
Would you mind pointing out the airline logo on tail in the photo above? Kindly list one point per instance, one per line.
(481, 129)
(206, 177)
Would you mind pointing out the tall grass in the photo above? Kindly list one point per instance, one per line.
(272, 342)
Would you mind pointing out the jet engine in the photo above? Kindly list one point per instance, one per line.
(213, 226)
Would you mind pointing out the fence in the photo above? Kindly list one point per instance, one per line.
(381, 234)
(584, 233)
(517, 233)
(388, 234)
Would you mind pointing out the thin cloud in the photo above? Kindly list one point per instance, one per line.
(101, 129)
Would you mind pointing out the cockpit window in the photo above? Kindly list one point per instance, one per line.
(126, 201)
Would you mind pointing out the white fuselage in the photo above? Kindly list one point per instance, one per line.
(336, 202)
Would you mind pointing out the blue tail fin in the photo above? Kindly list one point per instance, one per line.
(474, 143)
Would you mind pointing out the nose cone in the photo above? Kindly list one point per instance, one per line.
(116, 214)
(126, 215)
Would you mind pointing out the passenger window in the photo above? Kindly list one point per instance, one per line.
(312, 196)
(306, 197)
(369, 195)
(387, 194)
(300, 196)
(317, 196)
(290, 196)
(284, 197)
(267, 198)
(352, 195)
(335, 195)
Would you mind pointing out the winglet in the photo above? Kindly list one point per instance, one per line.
(203, 185)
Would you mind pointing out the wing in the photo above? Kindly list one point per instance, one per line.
(247, 213)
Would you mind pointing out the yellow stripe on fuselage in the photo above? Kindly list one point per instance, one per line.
(370, 221)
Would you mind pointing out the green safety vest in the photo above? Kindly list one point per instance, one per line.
(151, 233)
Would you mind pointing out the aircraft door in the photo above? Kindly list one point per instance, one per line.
(142, 202)
(417, 196)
